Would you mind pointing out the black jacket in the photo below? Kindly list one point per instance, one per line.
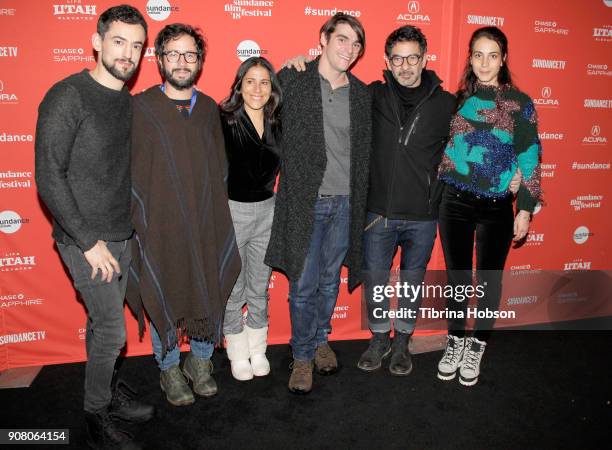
(405, 156)
(253, 162)
(303, 162)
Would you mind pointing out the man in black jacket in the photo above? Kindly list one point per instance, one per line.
(321, 199)
(410, 126)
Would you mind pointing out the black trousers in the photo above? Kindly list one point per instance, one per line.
(466, 219)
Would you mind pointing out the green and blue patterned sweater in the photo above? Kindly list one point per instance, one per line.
(494, 132)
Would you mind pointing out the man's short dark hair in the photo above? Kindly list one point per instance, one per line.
(330, 26)
(175, 31)
(120, 13)
(407, 33)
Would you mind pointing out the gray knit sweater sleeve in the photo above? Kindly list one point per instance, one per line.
(56, 129)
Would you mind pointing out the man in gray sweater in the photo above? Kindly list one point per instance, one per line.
(83, 176)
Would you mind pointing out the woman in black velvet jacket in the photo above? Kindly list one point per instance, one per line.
(251, 128)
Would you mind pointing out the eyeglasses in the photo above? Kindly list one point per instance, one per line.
(174, 56)
(398, 61)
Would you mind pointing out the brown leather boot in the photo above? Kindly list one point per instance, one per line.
(300, 381)
(325, 360)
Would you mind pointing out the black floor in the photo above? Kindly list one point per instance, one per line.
(538, 390)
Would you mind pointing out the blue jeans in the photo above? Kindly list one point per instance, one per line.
(199, 349)
(381, 238)
(313, 296)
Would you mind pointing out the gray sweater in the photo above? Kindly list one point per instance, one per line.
(83, 138)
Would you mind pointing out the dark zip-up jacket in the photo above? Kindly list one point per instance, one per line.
(405, 155)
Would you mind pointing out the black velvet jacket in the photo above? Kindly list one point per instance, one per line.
(253, 161)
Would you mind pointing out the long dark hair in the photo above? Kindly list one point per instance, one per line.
(233, 105)
(467, 86)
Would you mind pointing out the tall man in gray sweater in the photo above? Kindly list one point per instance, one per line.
(83, 176)
(320, 206)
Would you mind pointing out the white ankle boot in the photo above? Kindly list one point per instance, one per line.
(238, 354)
(258, 338)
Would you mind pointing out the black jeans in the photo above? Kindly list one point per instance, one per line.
(464, 215)
(105, 335)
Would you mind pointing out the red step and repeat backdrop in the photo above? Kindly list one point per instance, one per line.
(560, 55)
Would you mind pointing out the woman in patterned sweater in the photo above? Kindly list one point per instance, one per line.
(493, 133)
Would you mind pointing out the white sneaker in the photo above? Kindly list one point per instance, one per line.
(470, 366)
(451, 360)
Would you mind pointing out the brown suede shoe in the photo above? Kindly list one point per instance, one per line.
(300, 381)
(325, 360)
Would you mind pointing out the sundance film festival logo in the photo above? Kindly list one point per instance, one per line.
(577, 264)
(603, 34)
(16, 300)
(581, 235)
(314, 52)
(74, 10)
(588, 201)
(548, 170)
(247, 49)
(341, 312)
(595, 138)
(15, 180)
(548, 64)
(14, 261)
(549, 26)
(249, 8)
(6, 97)
(546, 99)
(160, 9)
(69, 55)
(11, 222)
(485, 20)
(598, 70)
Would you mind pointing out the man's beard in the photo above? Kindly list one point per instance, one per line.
(120, 75)
(181, 84)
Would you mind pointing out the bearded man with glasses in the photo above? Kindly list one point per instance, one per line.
(186, 260)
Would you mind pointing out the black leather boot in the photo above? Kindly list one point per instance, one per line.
(124, 406)
(103, 433)
(401, 361)
(379, 349)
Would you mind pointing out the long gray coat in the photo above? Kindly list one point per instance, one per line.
(303, 163)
